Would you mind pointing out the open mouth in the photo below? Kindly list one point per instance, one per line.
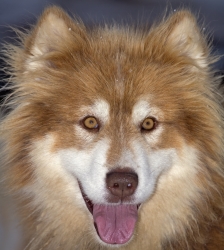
(114, 224)
(88, 202)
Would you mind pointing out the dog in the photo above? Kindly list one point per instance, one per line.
(113, 137)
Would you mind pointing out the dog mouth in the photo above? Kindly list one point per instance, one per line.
(114, 223)
(88, 202)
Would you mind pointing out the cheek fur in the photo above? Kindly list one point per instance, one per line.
(151, 165)
(89, 167)
(49, 174)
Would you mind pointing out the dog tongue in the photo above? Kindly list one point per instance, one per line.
(115, 224)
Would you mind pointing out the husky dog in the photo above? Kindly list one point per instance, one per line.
(114, 136)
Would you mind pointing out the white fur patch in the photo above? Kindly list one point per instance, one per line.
(84, 134)
(154, 136)
(49, 173)
(67, 166)
(185, 166)
(89, 167)
(142, 109)
(150, 166)
(100, 109)
(33, 64)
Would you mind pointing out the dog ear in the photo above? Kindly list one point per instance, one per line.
(52, 28)
(186, 38)
(54, 32)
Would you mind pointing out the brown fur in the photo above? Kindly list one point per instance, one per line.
(55, 73)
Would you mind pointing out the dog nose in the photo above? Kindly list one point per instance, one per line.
(122, 184)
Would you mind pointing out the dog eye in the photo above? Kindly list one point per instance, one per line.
(91, 123)
(148, 124)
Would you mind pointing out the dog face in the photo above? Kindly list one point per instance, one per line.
(115, 145)
(112, 124)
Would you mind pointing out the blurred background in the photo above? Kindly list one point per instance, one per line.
(20, 13)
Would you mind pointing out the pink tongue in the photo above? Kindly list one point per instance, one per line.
(115, 224)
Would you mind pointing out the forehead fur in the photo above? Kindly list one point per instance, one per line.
(62, 66)
(106, 57)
